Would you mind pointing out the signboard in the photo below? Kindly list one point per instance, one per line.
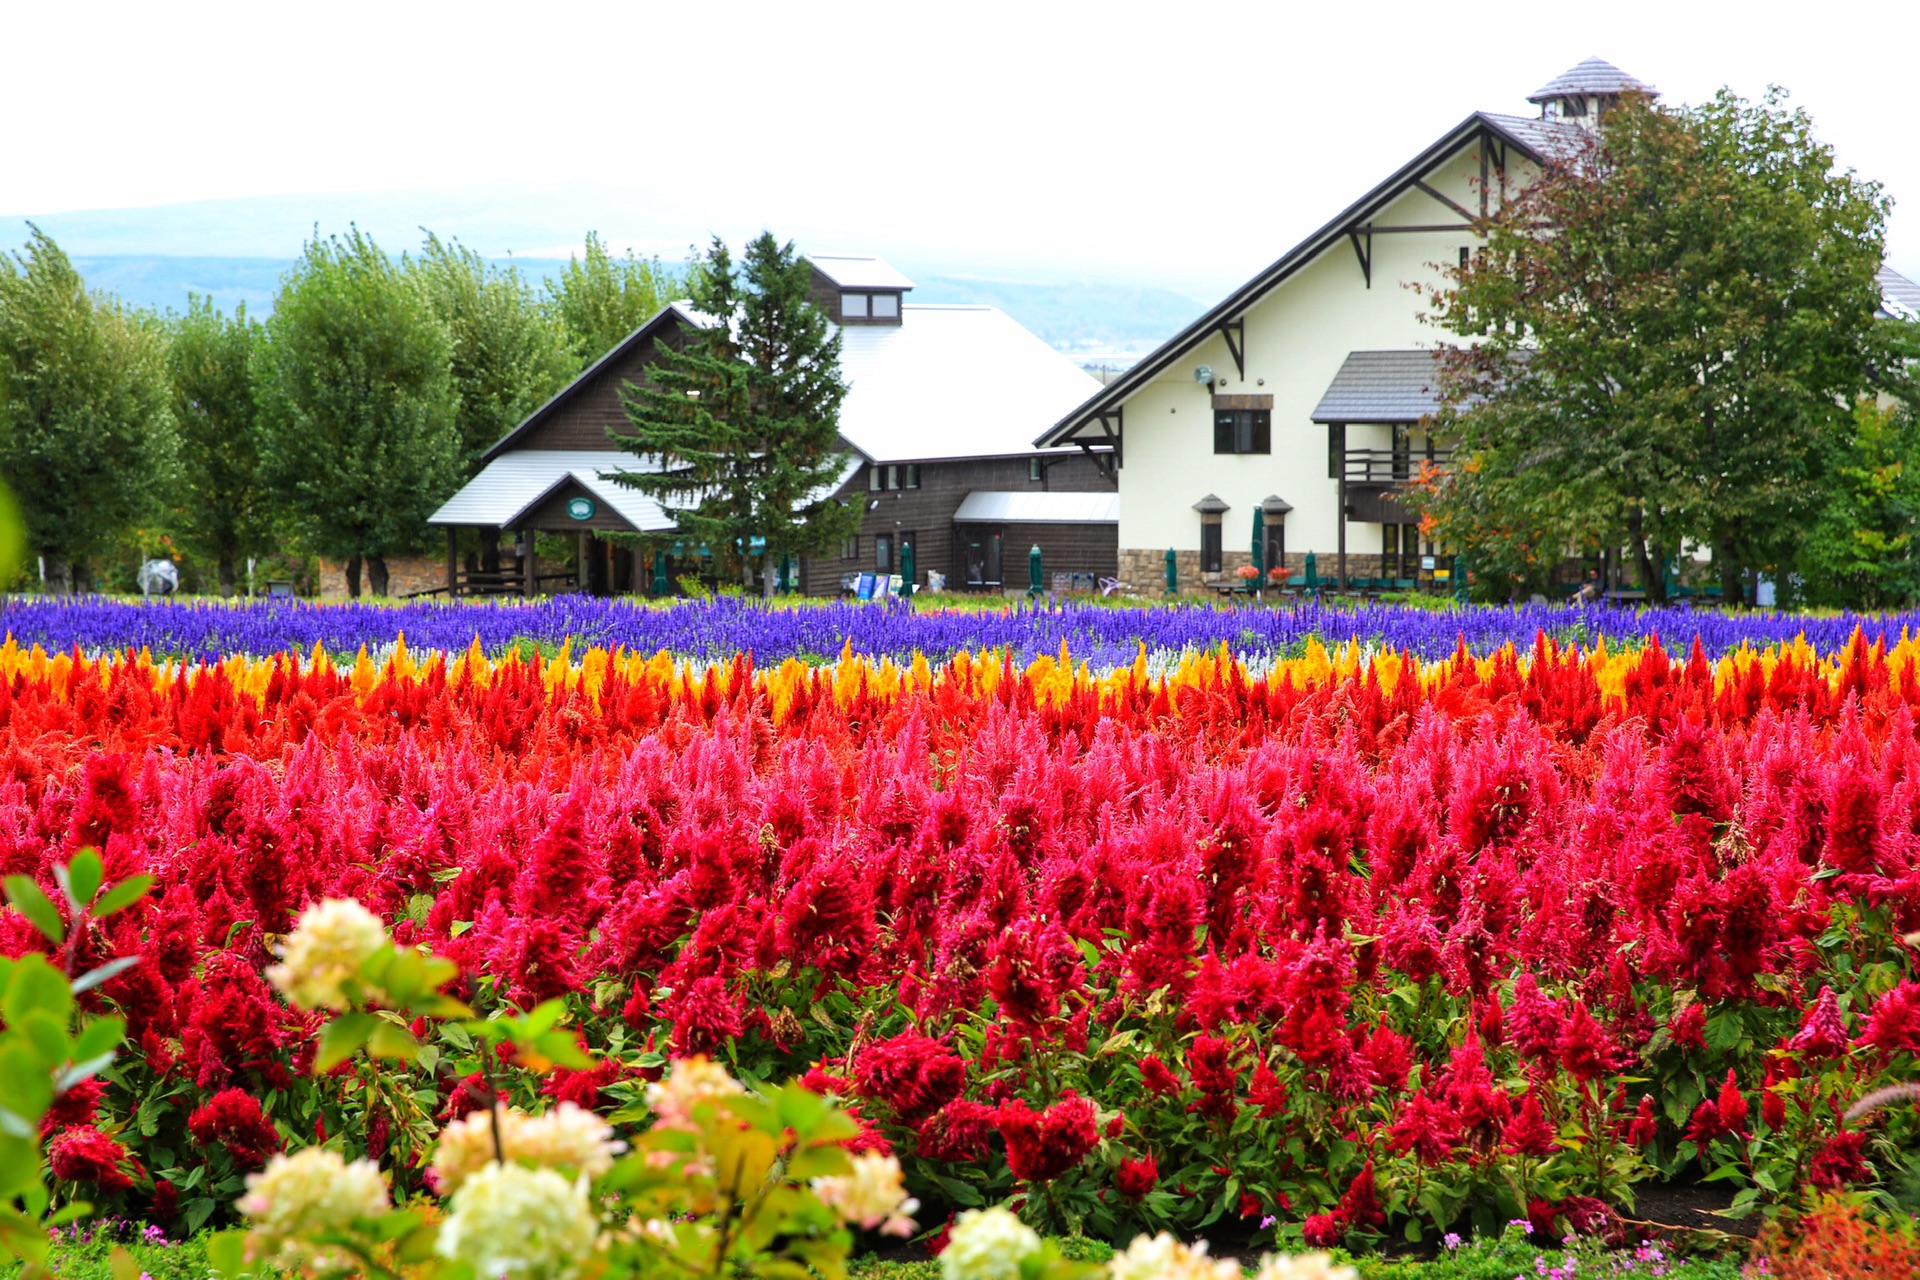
(863, 589)
(580, 508)
(1426, 562)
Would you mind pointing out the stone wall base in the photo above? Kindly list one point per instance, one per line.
(1143, 572)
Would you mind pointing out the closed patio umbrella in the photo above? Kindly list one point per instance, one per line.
(1259, 552)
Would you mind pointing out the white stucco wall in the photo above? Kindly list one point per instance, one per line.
(1297, 336)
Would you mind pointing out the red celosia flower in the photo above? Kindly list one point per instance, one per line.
(1135, 1178)
(705, 1016)
(1585, 1050)
(84, 1154)
(1823, 1033)
(1156, 1077)
(1643, 1128)
(1529, 1133)
(1360, 1207)
(1688, 1027)
(77, 1106)
(1893, 1025)
(1839, 1162)
(1534, 1020)
(1324, 1230)
(1773, 1109)
(958, 1132)
(166, 1201)
(1424, 1127)
(1210, 1064)
(1732, 1105)
(913, 1074)
(233, 1119)
(1267, 1091)
(1042, 1145)
(823, 1081)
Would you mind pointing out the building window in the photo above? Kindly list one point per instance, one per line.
(875, 479)
(1336, 448)
(1466, 256)
(886, 306)
(1210, 545)
(913, 475)
(850, 548)
(1243, 431)
(853, 306)
(883, 553)
(1033, 470)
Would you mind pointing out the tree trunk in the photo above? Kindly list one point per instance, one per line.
(353, 577)
(1653, 578)
(226, 573)
(59, 575)
(377, 575)
(767, 573)
(1732, 581)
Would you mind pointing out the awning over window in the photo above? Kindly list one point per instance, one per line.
(989, 507)
(1382, 386)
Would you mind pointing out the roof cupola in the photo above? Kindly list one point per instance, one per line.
(1584, 93)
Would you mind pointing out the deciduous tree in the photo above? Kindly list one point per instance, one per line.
(1665, 337)
(86, 436)
(600, 299)
(362, 439)
(221, 507)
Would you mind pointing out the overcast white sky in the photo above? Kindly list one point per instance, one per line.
(1181, 143)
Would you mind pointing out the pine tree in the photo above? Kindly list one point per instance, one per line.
(740, 428)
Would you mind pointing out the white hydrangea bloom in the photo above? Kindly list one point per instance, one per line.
(300, 1195)
(509, 1221)
(330, 942)
(1303, 1266)
(689, 1082)
(873, 1195)
(567, 1138)
(1162, 1257)
(987, 1244)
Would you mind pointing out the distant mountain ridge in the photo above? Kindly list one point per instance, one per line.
(1078, 318)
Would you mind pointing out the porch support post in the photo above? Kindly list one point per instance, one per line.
(527, 565)
(453, 562)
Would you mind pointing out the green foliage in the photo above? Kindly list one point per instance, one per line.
(116, 1251)
(44, 1049)
(220, 508)
(360, 413)
(600, 299)
(1860, 549)
(741, 428)
(86, 436)
(508, 356)
(1672, 363)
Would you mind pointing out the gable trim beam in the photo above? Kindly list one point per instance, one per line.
(1365, 255)
(1235, 334)
(1445, 199)
(1475, 127)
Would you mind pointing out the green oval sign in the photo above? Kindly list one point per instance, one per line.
(580, 508)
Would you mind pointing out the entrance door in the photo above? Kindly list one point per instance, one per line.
(982, 551)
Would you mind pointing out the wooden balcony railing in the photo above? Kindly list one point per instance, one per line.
(1390, 467)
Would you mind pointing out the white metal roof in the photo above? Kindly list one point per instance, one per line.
(1590, 75)
(953, 382)
(989, 507)
(1899, 296)
(858, 271)
(514, 482)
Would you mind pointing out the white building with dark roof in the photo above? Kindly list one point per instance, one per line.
(1295, 407)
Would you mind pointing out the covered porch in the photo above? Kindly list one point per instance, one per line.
(560, 493)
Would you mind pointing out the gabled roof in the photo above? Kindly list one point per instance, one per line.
(952, 382)
(1899, 296)
(1540, 140)
(858, 271)
(1381, 386)
(1592, 76)
(513, 484)
(673, 314)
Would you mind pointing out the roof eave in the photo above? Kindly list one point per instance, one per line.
(1123, 387)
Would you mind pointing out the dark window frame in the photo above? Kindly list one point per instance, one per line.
(883, 553)
(1243, 431)
(1336, 449)
(1211, 551)
(866, 305)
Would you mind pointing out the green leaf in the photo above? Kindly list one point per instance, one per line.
(391, 1040)
(341, 1039)
(22, 1236)
(98, 1036)
(121, 896)
(29, 901)
(48, 1036)
(82, 1070)
(543, 1018)
(560, 1047)
(227, 1252)
(83, 877)
(25, 1082)
(122, 1265)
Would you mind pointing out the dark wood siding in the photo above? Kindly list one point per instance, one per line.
(927, 512)
(551, 515)
(595, 406)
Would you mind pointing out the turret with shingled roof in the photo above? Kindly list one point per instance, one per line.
(1584, 92)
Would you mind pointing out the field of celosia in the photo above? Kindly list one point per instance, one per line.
(1334, 946)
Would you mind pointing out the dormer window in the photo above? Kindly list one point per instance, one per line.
(886, 306)
(853, 306)
(857, 290)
